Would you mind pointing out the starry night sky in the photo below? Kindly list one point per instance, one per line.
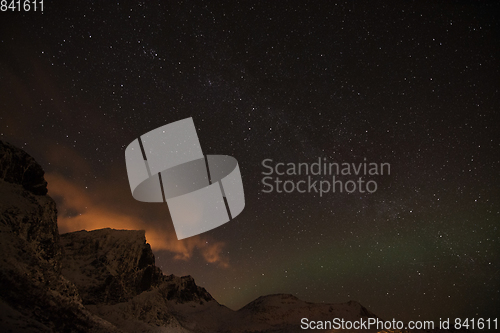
(408, 83)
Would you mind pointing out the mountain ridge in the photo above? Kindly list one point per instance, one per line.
(106, 280)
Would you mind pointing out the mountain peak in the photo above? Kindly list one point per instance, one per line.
(106, 280)
(109, 265)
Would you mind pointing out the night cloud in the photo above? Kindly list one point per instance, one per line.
(78, 211)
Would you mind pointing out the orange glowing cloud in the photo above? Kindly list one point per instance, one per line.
(90, 214)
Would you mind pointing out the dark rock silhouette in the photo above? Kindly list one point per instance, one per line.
(35, 297)
(17, 167)
(109, 266)
(106, 280)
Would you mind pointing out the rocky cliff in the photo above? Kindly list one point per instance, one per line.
(34, 295)
(109, 266)
(17, 167)
(106, 280)
(98, 281)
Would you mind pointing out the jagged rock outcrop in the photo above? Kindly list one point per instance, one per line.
(109, 266)
(177, 304)
(106, 280)
(184, 289)
(116, 276)
(17, 167)
(34, 296)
